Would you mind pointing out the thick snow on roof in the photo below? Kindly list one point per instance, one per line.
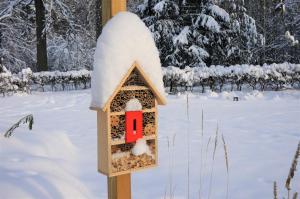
(124, 39)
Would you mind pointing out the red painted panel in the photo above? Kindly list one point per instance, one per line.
(134, 126)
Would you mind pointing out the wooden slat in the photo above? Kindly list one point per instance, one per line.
(117, 142)
(123, 112)
(156, 133)
(102, 142)
(133, 88)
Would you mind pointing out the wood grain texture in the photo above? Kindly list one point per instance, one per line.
(110, 8)
(119, 187)
(118, 6)
(103, 142)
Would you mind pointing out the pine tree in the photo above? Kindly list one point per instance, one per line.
(247, 38)
(162, 18)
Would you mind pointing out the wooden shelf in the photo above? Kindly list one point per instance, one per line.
(130, 88)
(152, 110)
(117, 142)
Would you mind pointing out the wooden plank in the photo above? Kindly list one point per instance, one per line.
(123, 112)
(102, 142)
(119, 187)
(133, 88)
(109, 141)
(156, 133)
(117, 142)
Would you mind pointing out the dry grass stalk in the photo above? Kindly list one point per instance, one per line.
(216, 141)
(295, 196)
(201, 154)
(188, 145)
(292, 170)
(275, 192)
(226, 153)
(213, 161)
(170, 188)
(202, 123)
(206, 152)
(227, 164)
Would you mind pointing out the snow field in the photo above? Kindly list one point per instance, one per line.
(58, 158)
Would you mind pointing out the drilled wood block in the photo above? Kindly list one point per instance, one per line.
(146, 98)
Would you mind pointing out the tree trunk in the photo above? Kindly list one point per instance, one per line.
(149, 7)
(41, 47)
(98, 18)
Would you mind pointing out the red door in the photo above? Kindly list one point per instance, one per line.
(134, 126)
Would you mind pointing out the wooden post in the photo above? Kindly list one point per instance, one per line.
(119, 187)
(110, 8)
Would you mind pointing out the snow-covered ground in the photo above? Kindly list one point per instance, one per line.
(57, 159)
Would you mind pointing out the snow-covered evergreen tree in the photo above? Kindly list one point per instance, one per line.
(162, 18)
(190, 39)
(247, 37)
(213, 34)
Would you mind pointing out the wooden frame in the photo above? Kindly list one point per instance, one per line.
(104, 139)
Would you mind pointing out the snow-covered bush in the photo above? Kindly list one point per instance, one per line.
(25, 80)
(5, 80)
(62, 80)
(274, 76)
(216, 77)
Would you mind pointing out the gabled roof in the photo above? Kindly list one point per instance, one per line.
(125, 39)
(161, 100)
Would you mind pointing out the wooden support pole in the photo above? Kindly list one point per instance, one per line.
(110, 8)
(119, 187)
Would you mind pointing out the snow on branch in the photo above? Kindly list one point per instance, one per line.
(291, 38)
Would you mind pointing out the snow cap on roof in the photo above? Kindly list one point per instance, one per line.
(124, 40)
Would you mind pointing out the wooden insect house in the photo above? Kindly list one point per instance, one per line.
(127, 118)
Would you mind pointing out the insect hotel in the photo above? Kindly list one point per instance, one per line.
(126, 94)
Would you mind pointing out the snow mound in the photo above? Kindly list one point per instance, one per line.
(133, 105)
(124, 40)
(141, 148)
(39, 166)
